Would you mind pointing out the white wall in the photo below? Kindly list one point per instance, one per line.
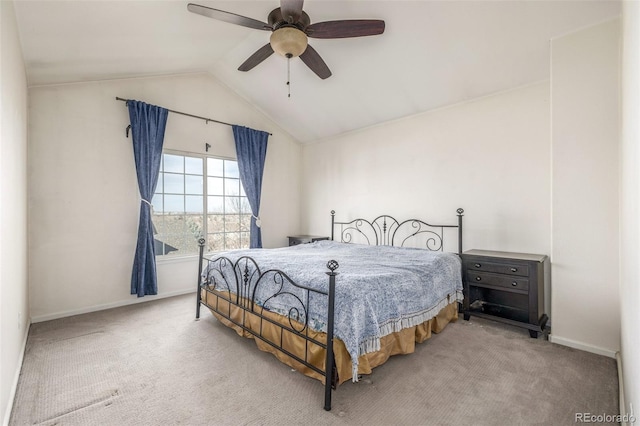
(493, 157)
(585, 68)
(14, 308)
(84, 200)
(490, 156)
(629, 206)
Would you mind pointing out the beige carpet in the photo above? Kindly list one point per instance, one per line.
(152, 364)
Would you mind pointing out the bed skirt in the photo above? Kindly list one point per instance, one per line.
(402, 342)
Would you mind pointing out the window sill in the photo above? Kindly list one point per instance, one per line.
(162, 260)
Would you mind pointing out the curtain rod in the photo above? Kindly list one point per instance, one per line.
(188, 115)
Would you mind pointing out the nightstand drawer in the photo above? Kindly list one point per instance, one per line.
(500, 268)
(496, 280)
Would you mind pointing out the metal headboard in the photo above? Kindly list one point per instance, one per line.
(386, 230)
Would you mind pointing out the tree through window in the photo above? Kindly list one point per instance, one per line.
(199, 196)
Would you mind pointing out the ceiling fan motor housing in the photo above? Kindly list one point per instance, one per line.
(276, 20)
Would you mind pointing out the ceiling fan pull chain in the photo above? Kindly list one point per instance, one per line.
(289, 75)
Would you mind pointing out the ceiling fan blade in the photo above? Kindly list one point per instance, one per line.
(229, 17)
(313, 60)
(291, 10)
(346, 28)
(260, 55)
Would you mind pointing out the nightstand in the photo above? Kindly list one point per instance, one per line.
(506, 287)
(294, 240)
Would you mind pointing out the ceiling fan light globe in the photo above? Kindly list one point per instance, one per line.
(289, 41)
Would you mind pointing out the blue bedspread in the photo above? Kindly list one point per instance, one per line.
(379, 289)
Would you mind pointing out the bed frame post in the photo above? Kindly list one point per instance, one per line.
(333, 222)
(198, 295)
(460, 214)
(328, 366)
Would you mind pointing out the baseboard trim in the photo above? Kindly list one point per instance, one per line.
(14, 386)
(95, 308)
(582, 346)
(623, 402)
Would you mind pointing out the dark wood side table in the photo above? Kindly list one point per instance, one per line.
(294, 240)
(506, 287)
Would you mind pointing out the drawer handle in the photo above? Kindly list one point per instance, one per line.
(478, 278)
(477, 265)
(514, 284)
(514, 269)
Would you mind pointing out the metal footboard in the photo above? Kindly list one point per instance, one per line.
(244, 295)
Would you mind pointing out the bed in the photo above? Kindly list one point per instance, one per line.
(336, 309)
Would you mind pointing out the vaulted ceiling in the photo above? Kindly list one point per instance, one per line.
(432, 53)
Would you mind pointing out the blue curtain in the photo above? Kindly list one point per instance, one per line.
(251, 148)
(148, 123)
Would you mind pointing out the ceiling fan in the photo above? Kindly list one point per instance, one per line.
(290, 27)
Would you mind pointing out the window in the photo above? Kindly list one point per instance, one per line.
(199, 196)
